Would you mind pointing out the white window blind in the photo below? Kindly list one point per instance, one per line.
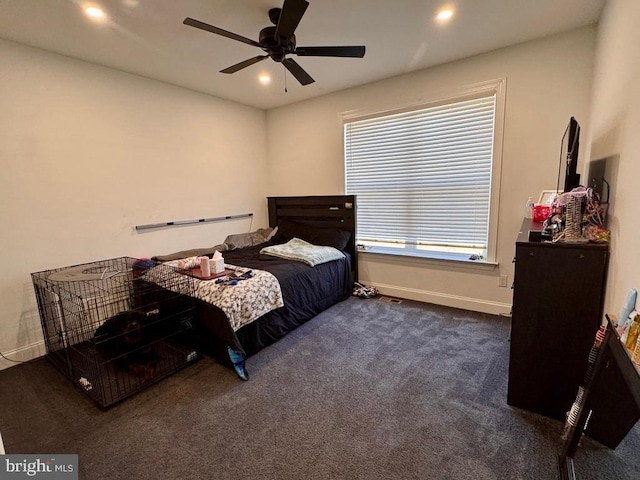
(423, 177)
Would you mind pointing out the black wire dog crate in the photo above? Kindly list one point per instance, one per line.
(116, 326)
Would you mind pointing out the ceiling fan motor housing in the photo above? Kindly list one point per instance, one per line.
(270, 44)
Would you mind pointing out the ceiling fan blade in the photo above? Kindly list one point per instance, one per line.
(246, 63)
(210, 28)
(290, 16)
(297, 71)
(356, 51)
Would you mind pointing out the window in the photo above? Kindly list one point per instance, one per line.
(427, 178)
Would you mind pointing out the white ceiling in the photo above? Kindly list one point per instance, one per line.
(147, 37)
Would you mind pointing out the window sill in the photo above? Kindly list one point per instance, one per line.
(459, 259)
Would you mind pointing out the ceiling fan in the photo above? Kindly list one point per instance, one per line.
(279, 41)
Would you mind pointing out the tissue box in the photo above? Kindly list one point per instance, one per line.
(217, 265)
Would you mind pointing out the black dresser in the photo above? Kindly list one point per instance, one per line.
(557, 309)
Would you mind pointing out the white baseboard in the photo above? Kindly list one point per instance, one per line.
(465, 303)
(23, 354)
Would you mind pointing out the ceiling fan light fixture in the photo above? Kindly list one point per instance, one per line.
(444, 15)
(264, 78)
(95, 13)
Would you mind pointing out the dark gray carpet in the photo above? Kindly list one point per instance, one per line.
(367, 390)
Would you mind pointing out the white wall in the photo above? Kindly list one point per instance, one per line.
(615, 135)
(548, 81)
(87, 153)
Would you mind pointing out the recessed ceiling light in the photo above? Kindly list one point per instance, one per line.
(94, 12)
(444, 15)
(264, 79)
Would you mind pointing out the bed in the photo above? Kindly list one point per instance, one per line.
(306, 291)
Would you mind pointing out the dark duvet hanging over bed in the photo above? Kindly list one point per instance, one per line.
(306, 292)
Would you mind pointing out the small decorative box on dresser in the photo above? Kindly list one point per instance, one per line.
(557, 309)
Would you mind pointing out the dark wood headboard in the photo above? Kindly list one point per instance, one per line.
(330, 211)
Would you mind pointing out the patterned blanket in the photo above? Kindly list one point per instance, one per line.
(301, 251)
(243, 302)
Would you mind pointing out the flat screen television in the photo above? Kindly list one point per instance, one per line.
(568, 178)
